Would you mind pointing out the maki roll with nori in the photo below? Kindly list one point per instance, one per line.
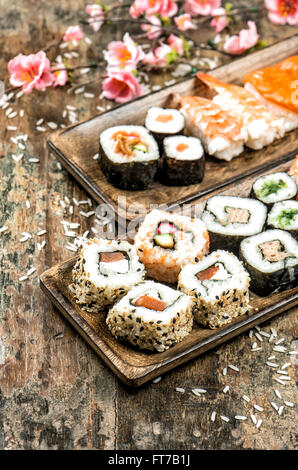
(128, 156)
(284, 215)
(162, 122)
(183, 161)
(151, 316)
(104, 272)
(274, 188)
(219, 285)
(229, 219)
(166, 240)
(271, 258)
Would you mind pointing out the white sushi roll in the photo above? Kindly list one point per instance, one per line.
(271, 258)
(229, 219)
(284, 215)
(165, 241)
(104, 272)
(219, 285)
(163, 122)
(273, 188)
(151, 316)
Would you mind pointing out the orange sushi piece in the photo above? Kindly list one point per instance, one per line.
(293, 171)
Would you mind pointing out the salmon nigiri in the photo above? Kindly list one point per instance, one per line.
(261, 127)
(276, 86)
(220, 131)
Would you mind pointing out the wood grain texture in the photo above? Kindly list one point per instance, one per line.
(75, 146)
(55, 393)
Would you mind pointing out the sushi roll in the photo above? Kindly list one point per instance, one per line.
(104, 272)
(166, 240)
(151, 316)
(128, 157)
(184, 161)
(274, 188)
(284, 215)
(220, 131)
(219, 284)
(271, 258)
(162, 122)
(229, 219)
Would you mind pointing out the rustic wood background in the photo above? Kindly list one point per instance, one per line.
(55, 393)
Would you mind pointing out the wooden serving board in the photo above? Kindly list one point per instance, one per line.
(133, 366)
(76, 145)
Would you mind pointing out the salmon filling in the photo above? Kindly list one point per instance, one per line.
(271, 251)
(151, 303)
(181, 147)
(126, 143)
(207, 273)
(239, 216)
(111, 257)
(164, 118)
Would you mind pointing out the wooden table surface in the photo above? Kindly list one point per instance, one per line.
(55, 393)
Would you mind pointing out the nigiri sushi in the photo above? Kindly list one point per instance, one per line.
(220, 131)
(276, 87)
(261, 127)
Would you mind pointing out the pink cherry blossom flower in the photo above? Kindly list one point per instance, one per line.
(60, 76)
(184, 23)
(73, 33)
(30, 71)
(246, 39)
(155, 30)
(96, 14)
(220, 20)
(176, 43)
(283, 11)
(168, 8)
(158, 58)
(123, 54)
(201, 7)
(121, 86)
(163, 8)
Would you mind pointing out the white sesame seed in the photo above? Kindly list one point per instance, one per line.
(259, 408)
(41, 232)
(180, 390)
(224, 418)
(246, 398)
(23, 278)
(158, 379)
(87, 40)
(271, 364)
(213, 416)
(31, 271)
(280, 410)
(253, 418)
(233, 367)
(288, 403)
(259, 423)
(226, 389)
(3, 229)
(240, 417)
(275, 406)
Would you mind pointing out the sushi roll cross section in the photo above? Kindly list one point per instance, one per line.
(104, 272)
(166, 240)
(229, 219)
(162, 122)
(128, 156)
(271, 258)
(219, 285)
(284, 215)
(151, 316)
(183, 160)
(273, 188)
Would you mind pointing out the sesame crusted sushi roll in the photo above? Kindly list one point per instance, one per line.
(104, 272)
(128, 156)
(166, 240)
(271, 258)
(162, 122)
(274, 188)
(184, 161)
(284, 216)
(229, 219)
(219, 284)
(151, 316)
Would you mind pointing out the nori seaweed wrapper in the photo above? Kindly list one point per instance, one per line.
(182, 172)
